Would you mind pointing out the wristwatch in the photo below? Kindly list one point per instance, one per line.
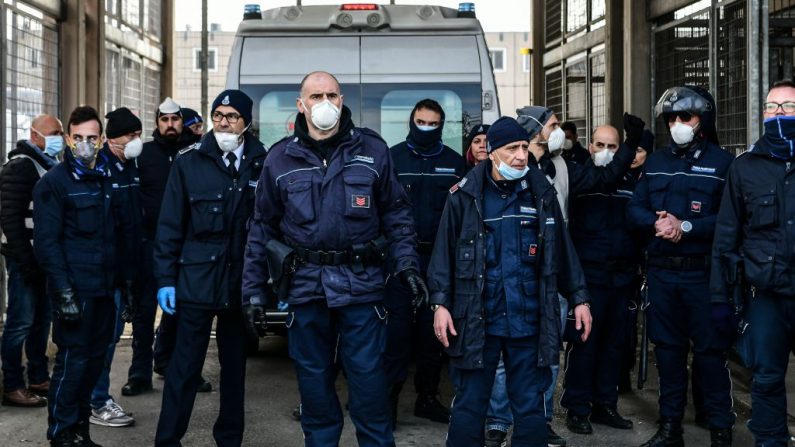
(686, 226)
(435, 306)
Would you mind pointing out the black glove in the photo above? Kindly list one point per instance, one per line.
(254, 314)
(65, 307)
(128, 301)
(633, 128)
(412, 279)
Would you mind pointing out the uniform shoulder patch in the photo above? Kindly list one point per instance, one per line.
(192, 147)
(458, 185)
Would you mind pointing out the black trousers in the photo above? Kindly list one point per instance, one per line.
(184, 375)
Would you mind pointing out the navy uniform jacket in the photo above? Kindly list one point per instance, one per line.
(353, 199)
(201, 233)
(606, 245)
(757, 224)
(80, 239)
(689, 187)
(456, 276)
(426, 181)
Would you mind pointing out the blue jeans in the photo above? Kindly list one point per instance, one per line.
(101, 392)
(499, 415)
(771, 337)
(28, 323)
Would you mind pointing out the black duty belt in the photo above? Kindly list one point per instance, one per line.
(371, 253)
(612, 265)
(679, 262)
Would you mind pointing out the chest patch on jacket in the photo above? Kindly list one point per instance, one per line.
(533, 250)
(444, 170)
(360, 201)
(364, 159)
(703, 169)
(695, 206)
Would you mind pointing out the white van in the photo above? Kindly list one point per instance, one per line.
(386, 57)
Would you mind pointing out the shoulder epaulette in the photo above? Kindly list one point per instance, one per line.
(371, 133)
(458, 185)
(184, 151)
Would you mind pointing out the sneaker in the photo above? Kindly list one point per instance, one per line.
(554, 439)
(111, 415)
(496, 438)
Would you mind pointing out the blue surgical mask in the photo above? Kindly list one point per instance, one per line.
(511, 173)
(53, 145)
(427, 128)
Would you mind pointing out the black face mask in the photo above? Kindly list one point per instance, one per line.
(424, 140)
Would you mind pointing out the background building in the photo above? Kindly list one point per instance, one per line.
(511, 69)
(593, 59)
(57, 54)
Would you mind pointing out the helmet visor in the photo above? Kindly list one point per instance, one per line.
(682, 99)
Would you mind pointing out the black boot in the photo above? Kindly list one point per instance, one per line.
(720, 437)
(578, 424)
(669, 434)
(82, 438)
(429, 407)
(65, 438)
(394, 394)
(610, 417)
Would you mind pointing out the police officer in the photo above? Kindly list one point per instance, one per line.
(573, 152)
(610, 259)
(475, 145)
(330, 194)
(201, 235)
(426, 169)
(193, 121)
(501, 256)
(755, 219)
(676, 203)
(154, 165)
(123, 145)
(80, 242)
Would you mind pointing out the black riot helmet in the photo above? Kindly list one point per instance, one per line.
(693, 100)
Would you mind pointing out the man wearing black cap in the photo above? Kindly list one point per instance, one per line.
(675, 205)
(427, 168)
(201, 236)
(193, 121)
(123, 144)
(154, 165)
(501, 256)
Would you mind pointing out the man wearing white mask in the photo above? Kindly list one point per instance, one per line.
(610, 255)
(28, 316)
(201, 236)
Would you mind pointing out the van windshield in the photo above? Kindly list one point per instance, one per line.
(384, 108)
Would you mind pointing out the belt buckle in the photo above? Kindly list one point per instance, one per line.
(325, 257)
(677, 262)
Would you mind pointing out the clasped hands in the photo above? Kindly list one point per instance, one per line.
(668, 227)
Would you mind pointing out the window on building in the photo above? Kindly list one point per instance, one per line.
(554, 91)
(212, 59)
(597, 9)
(497, 56)
(577, 96)
(526, 63)
(598, 110)
(576, 15)
(553, 9)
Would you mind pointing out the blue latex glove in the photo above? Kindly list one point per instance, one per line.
(167, 299)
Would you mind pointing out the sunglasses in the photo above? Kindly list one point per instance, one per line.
(684, 116)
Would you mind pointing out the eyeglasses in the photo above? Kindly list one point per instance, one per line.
(772, 107)
(684, 116)
(79, 139)
(231, 118)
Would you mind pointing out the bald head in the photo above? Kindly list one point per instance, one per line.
(44, 126)
(316, 77)
(604, 137)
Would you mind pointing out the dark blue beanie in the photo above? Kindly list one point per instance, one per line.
(505, 130)
(237, 100)
(647, 141)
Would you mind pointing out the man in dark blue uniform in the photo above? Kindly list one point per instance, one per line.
(82, 244)
(755, 228)
(676, 203)
(500, 258)
(427, 169)
(573, 152)
(154, 165)
(201, 236)
(331, 194)
(610, 258)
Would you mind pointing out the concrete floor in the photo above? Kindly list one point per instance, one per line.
(272, 394)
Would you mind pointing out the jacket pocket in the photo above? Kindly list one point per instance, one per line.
(299, 206)
(702, 195)
(359, 196)
(465, 257)
(459, 315)
(759, 267)
(764, 211)
(207, 213)
(658, 189)
(201, 269)
(528, 236)
(88, 213)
